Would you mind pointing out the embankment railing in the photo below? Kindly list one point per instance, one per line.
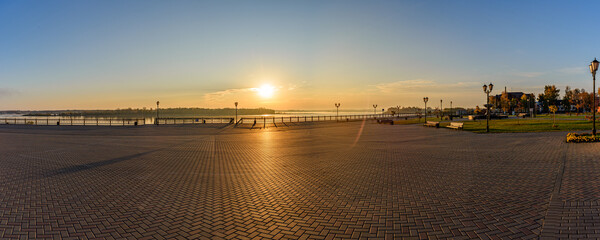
(284, 121)
(198, 120)
(74, 121)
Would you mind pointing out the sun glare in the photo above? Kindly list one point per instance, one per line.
(266, 91)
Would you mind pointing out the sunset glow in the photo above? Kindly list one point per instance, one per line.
(284, 55)
(266, 91)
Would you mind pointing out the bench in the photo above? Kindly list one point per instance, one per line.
(456, 125)
(432, 124)
(385, 121)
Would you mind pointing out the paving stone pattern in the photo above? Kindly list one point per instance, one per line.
(312, 182)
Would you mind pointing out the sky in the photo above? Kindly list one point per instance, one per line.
(288, 54)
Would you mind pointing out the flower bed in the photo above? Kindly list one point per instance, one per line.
(578, 138)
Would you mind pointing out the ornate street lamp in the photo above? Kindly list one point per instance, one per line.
(374, 108)
(593, 69)
(487, 91)
(236, 103)
(337, 111)
(156, 121)
(425, 99)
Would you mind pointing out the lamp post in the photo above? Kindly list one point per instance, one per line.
(156, 121)
(441, 110)
(450, 116)
(593, 69)
(425, 99)
(236, 103)
(374, 108)
(337, 111)
(487, 91)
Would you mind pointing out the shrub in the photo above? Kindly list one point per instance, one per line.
(578, 138)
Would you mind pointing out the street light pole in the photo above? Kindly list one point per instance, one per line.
(156, 121)
(450, 116)
(425, 99)
(441, 110)
(593, 69)
(487, 91)
(375, 109)
(337, 111)
(236, 104)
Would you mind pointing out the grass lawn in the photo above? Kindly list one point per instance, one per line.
(565, 116)
(528, 125)
(416, 120)
(542, 123)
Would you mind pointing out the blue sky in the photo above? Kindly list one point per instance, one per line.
(118, 54)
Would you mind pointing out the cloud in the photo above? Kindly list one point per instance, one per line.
(416, 85)
(5, 92)
(528, 74)
(574, 70)
(221, 94)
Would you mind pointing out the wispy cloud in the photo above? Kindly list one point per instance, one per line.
(221, 94)
(5, 92)
(528, 74)
(573, 70)
(421, 85)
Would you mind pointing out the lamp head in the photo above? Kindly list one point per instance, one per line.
(594, 66)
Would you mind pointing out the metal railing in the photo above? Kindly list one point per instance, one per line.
(262, 121)
(199, 120)
(74, 121)
(285, 121)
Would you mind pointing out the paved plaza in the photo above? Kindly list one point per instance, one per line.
(323, 181)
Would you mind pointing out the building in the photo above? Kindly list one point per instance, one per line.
(514, 102)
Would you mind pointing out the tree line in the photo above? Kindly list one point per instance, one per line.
(581, 100)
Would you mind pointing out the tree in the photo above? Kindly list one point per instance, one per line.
(586, 100)
(542, 99)
(568, 99)
(504, 102)
(553, 109)
(551, 94)
(577, 99)
(477, 110)
(493, 101)
(524, 103)
(549, 97)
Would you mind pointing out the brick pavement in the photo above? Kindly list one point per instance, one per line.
(297, 183)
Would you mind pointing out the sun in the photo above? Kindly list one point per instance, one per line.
(266, 91)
